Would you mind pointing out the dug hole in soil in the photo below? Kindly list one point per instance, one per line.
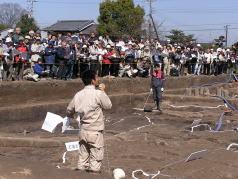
(134, 139)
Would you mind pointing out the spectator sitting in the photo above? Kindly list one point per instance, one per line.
(29, 75)
(39, 69)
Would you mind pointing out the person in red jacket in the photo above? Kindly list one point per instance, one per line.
(106, 62)
(157, 85)
(20, 59)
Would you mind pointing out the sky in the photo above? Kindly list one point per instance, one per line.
(203, 18)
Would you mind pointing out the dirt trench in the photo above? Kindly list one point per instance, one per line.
(134, 139)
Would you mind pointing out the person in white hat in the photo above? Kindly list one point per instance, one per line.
(8, 70)
(31, 33)
(106, 62)
(37, 49)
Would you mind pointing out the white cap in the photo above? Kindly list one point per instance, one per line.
(27, 37)
(100, 38)
(10, 30)
(219, 50)
(108, 46)
(118, 173)
(179, 47)
(31, 32)
(8, 39)
(228, 50)
(198, 45)
(84, 46)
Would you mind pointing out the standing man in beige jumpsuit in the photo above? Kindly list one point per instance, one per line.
(88, 104)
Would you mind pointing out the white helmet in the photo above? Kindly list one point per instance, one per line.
(8, 39)
(118, 173)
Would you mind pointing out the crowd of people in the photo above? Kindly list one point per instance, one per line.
(67, 56)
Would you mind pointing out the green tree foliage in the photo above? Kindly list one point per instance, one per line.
(26, 24)
(178, 36)
(120, 18)
(220, 41)
(2, 27)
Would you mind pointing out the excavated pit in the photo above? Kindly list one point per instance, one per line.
(134, 139)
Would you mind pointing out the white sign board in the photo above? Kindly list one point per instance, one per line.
(72, 146)
(51, 122)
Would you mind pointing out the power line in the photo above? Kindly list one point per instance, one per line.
(31, 7)
(202, 30)
(215, 24)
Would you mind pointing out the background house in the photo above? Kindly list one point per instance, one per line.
(85, 27)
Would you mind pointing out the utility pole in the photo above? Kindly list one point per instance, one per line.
(151, 21)
(150, 25)
(31, 7)
(226, 29)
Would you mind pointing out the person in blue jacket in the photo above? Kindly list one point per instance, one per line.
(39, 69)
(50, 56)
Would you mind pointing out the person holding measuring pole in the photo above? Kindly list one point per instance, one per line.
(157, 83)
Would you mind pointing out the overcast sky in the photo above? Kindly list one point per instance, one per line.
(203, 18)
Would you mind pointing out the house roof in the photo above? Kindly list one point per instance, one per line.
(70, 25)
(90, 29)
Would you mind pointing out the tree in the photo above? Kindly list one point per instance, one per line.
(120, 18)
(178, 36)
(10, 13)
(26, 24)
(220, 41)
(2, 27)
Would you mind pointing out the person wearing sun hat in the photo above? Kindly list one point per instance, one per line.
(106, 62)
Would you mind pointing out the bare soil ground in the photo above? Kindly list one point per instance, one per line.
(134, 139)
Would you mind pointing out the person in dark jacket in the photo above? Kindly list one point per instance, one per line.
(71, 62)
(63, 54)
(50, 54)
(157, 83)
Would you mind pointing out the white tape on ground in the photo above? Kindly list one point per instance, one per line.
(196, 106)
(137, 113)
(149, 120)
(138, 128)
(118, 121)
(231, 145)
(64, 157)
(199, 125)
(145, 174)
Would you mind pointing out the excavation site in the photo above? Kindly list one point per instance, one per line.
(194, 137)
